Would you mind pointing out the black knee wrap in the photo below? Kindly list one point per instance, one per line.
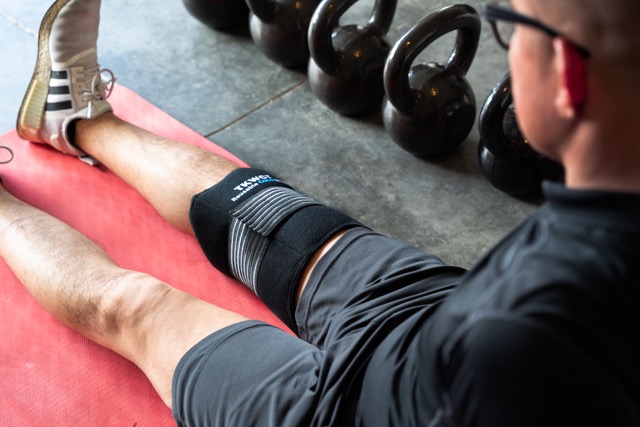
(258, 229)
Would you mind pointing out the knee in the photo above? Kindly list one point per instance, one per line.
(129, 298)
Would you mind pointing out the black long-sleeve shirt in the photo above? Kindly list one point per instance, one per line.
(543, 331)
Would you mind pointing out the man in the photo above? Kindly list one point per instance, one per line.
(541, 332)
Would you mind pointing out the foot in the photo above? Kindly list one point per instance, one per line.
(67, 84)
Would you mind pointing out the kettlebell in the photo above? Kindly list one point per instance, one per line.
(219, 14)
(505, 156)
(279, 29)
(429, 109)
(345, 68)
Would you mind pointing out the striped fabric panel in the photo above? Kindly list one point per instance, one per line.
(59, 98)
(264, 211)
(253, 221)
(246, 250)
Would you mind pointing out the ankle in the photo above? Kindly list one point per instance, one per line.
(82, 132)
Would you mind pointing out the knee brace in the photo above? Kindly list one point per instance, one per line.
(256, 228)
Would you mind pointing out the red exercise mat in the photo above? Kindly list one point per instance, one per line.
(51, 376)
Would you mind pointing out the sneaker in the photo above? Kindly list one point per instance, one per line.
(67, 83)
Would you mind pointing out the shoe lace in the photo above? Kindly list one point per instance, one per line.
(98, 88)
(10, 151)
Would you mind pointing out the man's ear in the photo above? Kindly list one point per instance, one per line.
(571, 70)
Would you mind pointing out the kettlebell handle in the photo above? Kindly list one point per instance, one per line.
(461, 17)
(492, 117)
(263, 9)
(327, 16)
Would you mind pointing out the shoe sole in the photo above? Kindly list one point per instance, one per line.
(31, 116)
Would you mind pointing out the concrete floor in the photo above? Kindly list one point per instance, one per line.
(222, 86)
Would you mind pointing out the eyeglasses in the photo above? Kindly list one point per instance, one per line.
(503, 21)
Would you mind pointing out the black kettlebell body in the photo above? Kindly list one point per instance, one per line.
(279, 28)
(505, 156)
(430, 109)
(346, 64)
(219, 14)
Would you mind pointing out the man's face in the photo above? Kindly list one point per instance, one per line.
(534, 82)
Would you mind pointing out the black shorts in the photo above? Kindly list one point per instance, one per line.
(253, 374)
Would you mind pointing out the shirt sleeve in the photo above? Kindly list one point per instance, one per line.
(498, 372)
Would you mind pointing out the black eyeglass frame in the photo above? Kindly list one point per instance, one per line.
(494, 13)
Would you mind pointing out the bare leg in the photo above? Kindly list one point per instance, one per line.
(167, 173)
(133, 314)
